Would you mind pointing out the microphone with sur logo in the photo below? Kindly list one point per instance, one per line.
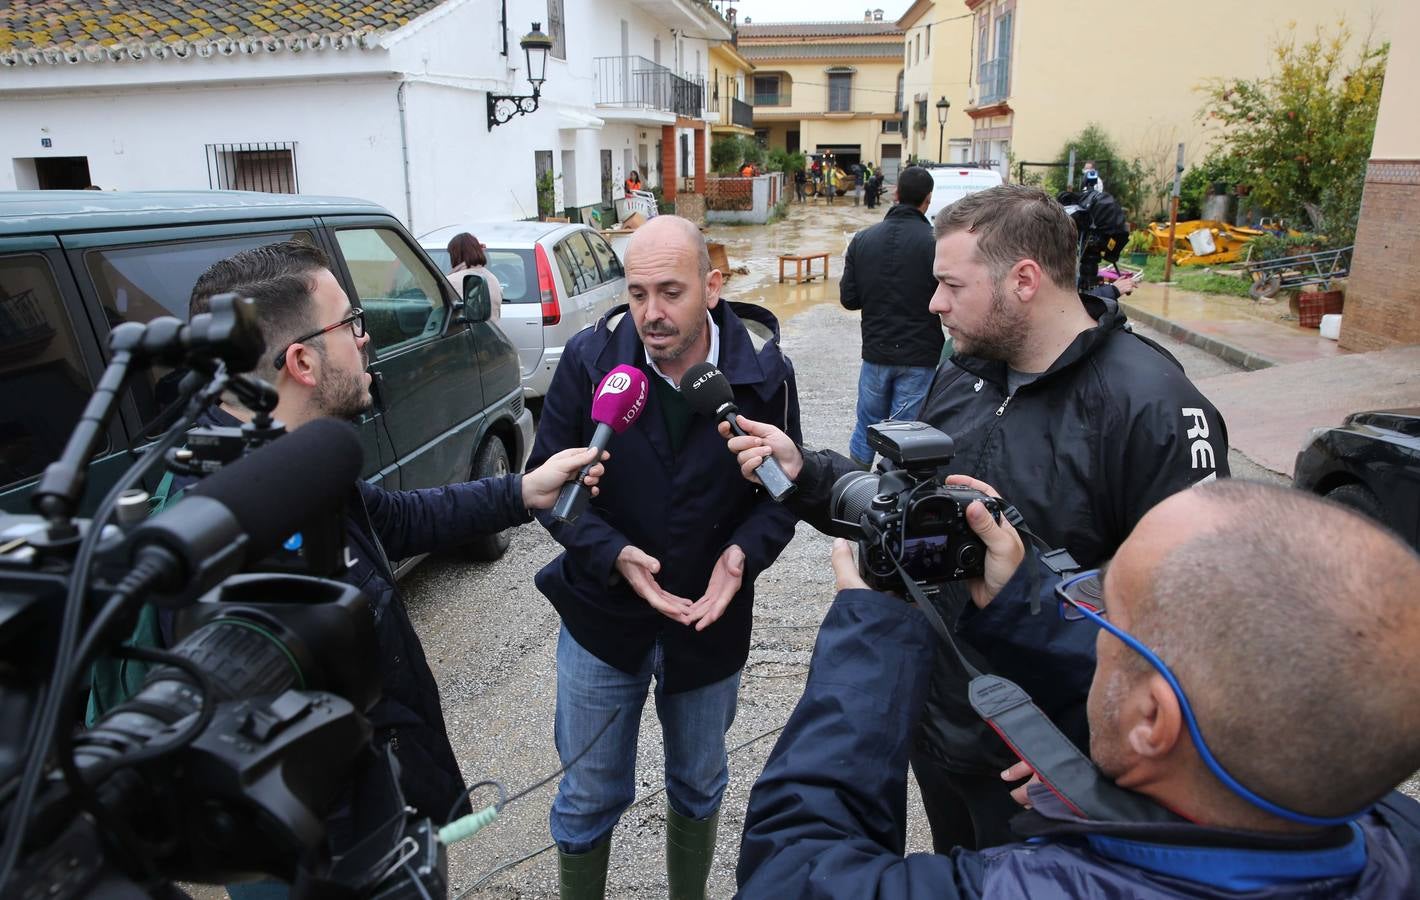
(706, 390)
(618, 402)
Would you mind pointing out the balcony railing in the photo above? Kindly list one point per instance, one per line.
(741, 113)
(994, 80)
(635, 81)
(780, 97)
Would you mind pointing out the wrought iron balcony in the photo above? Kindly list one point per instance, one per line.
(635, 81)
(994, 78)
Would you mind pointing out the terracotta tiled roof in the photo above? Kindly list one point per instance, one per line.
(822, 50)
(55, 31)
(753, 32)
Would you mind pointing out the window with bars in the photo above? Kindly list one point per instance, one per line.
(268, 166)
(840, 92)
(922, 114)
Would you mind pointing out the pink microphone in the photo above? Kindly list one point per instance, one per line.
(618, 402)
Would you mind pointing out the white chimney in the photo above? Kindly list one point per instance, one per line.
(867, 15)
(877, 15)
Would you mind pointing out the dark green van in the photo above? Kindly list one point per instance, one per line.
(73, 264)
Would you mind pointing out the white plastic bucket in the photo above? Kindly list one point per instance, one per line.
(1331, 326)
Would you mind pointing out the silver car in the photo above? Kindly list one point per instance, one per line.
(557, 279)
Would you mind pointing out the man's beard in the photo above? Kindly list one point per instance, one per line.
(344, 395)
(665, 328)
(1001, 334)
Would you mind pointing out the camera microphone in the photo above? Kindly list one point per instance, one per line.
(617, 403)
(706, 390)
(248, 509)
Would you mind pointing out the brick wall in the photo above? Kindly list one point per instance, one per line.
(1383, 292)
(669, 173)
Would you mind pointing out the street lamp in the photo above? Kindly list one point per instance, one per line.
(501, 107)
(942, 106)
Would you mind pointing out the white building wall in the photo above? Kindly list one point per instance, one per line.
(143, 125)
(346, 134)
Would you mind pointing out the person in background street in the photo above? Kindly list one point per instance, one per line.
(799, 179)
(633, 182)
(470, 257)
(831, 179)
(1090, 177)
(656, 577)
(857, 183)
(1308, 695)
(1081, 423)
(887, 273)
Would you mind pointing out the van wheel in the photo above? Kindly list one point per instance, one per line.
(491, 461)
(1357, 497)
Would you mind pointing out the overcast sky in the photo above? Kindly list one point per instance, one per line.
(817, 10)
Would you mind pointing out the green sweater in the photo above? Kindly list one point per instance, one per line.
(675, 411)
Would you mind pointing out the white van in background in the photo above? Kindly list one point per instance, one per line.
(951, 183)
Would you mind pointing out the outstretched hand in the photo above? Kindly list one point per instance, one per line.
(542, 485)
(760, 441)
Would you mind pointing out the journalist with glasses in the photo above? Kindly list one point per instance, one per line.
(318, 365)
(1256, 702)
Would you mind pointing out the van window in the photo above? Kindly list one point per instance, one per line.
(138, 284)
(611, 266)
(579, 266)
(400, 296)
(42, 377)
(141, 283)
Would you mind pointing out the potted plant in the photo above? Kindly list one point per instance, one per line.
(1140, 242)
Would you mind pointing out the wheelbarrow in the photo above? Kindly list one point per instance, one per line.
(1303, 270)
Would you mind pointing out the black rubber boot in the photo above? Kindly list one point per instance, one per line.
(690, 849)
(582, 876)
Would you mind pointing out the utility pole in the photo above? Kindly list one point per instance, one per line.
(1173, 214)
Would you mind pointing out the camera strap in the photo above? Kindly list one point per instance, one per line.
(1027, 730)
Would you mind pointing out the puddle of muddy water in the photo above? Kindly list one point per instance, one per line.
(806, 228)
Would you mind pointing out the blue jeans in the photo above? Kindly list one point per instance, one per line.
(601, 785)
(886, 392)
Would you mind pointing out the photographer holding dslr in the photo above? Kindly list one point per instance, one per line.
(1256, 700)
(1082, 424)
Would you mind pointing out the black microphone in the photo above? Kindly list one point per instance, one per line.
(248, 509)
(704, 387)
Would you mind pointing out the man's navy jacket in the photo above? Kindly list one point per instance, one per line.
(682, 508)
(825, 819)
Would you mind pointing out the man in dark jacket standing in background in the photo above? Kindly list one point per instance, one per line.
(657, 576)
(887, 273)
(1307, 695)
(1080, 423)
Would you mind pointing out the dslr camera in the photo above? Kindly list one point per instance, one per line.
(903, 515)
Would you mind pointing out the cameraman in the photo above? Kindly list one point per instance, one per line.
(1082, 424)
(1297, 657)
(316, 357)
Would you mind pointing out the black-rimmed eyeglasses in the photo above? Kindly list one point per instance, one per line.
(356, 321)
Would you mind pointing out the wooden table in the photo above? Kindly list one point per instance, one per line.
(799, 262)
